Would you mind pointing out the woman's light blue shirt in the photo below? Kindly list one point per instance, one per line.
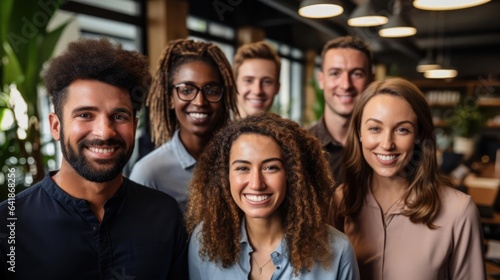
(344, 265)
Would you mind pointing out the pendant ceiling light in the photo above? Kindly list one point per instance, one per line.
(365, 16)
(445, 71)
(398, 25)
(444, 5)
(442, 73)
(429, 62)
(320, 8)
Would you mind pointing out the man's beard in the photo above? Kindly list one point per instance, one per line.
(85, 169)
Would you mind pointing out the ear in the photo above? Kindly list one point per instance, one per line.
(55, 126)
(320, 79)
(171, 102)
(278, 88)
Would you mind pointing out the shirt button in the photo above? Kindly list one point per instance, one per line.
(94, 228)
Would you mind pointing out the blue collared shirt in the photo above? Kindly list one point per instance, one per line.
(57, 236)
(344, 265)
(168, 168)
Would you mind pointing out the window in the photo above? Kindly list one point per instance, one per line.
(221, 35)
(289, 101)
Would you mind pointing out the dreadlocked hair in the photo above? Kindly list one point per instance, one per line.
(178, 52)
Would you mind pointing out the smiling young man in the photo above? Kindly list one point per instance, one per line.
(86, 221)
(256, 69)
(346, 71)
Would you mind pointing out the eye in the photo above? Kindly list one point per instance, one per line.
(272, 168)
(403, 130)
(186, 89)
(121, 117)
(268, 82)
(334, 73)
(212, 90)
(373, 129)
(84, 115)
(358, 74)
(241, 168)
(248, 80)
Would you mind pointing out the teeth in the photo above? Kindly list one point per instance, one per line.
(198, 115)
(101, 151)
(346, 98)
(389, 157)
(256, 101)
(257, 198)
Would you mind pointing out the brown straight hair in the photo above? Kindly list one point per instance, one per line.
(422, 198)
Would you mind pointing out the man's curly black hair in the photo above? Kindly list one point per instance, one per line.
(99, 60)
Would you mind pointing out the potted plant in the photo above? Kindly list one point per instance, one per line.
(25, 45)
(465, 121)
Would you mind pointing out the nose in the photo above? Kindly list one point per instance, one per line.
(256, 86)
(199, 100)
(387, 141)
(256, 181)
(104, 128)
(345, 81)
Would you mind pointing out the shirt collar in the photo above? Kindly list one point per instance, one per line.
(397, 208)
(324, 135)
(82, 205)
(245, 242)
(185, 159)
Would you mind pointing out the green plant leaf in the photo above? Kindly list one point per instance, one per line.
(49, 43)
(319, 103)
(28, 20)
(12, 72)
(5, 18)
(28, 88)
(25, 46)
(4, 100)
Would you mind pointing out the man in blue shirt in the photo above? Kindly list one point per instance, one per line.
(86, 221)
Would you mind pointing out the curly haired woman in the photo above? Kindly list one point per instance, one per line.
(403, 218)
(192, 96)
(256, 206)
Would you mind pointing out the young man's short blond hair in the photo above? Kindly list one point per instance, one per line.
(259, 49)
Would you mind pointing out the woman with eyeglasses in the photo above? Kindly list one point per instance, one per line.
(193, 94)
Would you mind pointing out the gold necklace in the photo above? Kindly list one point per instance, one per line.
(260, 267)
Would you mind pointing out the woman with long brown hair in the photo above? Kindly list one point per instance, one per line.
(403, 218)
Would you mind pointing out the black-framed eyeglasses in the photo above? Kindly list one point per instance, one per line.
(188, 92)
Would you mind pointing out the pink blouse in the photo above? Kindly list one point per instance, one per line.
(399, 249)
